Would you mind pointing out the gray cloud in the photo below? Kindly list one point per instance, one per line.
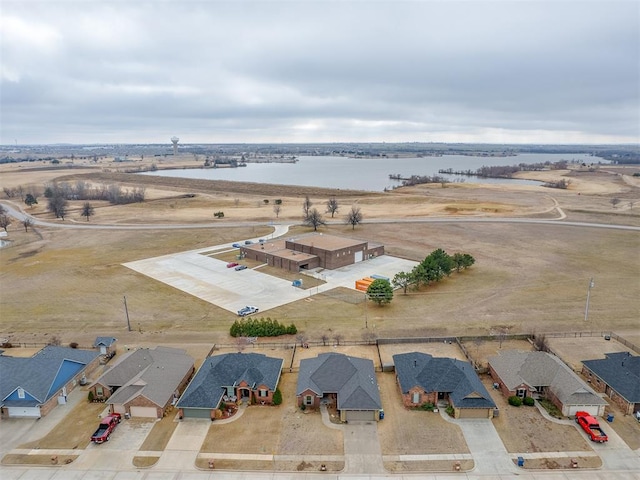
(230, 71)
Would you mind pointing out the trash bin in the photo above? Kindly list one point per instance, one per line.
(609, 418)
(381, 414)
(520, 462)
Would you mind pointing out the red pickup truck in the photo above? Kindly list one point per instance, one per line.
(590, 425)
(107, 425)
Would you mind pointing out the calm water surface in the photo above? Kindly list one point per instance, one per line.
(370, 174)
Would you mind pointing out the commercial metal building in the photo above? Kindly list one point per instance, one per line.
(312, 251)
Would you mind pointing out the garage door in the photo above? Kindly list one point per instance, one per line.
(474, 413)
(119, 408)
(149, 412)
(197, 413)
(33, 412)
(590, 409)
(358, 257)
(361, 415)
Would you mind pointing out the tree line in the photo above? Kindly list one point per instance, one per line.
(252, 327)
(437, 265)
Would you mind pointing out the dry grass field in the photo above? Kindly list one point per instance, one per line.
(527, 277)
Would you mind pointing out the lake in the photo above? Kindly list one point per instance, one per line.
(371, 174)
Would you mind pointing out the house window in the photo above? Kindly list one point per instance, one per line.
(521, 392)
(416, 397)
(21, 393)
(263, 393)
(99, 392)
(308, 400)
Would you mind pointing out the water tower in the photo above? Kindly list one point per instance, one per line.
(175, 141)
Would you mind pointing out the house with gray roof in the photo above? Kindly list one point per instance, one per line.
(543, 375)
(618, 376)
(230, 378)
(106, 345)
(347, 382)
(423, 378)
(144, 382)
(33, 386)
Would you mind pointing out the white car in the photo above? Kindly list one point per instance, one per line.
(248, 310)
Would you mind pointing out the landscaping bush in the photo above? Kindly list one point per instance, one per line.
(450, 411)
(427, 406)
(277, 397)
(90, 396)
(252, 327)
(515, 401)
(73, 345)
(529, 401)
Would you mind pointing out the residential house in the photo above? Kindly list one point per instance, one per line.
(145, 382)
(617, 375)
(347, 382)
(106, 345)
(426, 379)
(543, 375)
(229, 378)
(33, 386)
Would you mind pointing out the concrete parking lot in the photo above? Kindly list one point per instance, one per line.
(209, 278)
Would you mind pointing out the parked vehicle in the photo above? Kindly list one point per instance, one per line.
(232, 264)
(248, 310)
(236, 245)
(248, 242)
(590, 425)
(241, 267)
(106, 427)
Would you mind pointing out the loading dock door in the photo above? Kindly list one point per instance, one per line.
(358, 256)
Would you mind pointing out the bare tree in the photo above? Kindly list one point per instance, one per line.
(276, 210)
(354, 217)
(5, 221)
(332, 206)
(27, 222)
(314, 219)
(325, 339)
(301, 338)
(338, 338)
(87, 210)
(306, 207)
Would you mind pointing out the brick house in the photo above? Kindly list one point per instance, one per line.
(618, 376)
(347, 382)
(312, 251)
(426, 379)
(33, 386)
(543, 375)
(230, 378)
(144, 382)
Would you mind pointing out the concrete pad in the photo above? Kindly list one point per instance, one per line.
(210, 280)
(129, 475)
(189, 435)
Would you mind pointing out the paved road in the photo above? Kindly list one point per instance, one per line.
(17, 212)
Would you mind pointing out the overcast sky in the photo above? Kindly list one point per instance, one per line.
(124, 71)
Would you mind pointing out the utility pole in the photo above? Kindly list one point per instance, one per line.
(126, 311)
(586, 310)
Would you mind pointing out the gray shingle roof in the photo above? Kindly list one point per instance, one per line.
(208, 385)
(104, 341)
(541, 369)
(352, 378)
(36, 374)
(158, 371)
(447, 375)
(621, 371)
